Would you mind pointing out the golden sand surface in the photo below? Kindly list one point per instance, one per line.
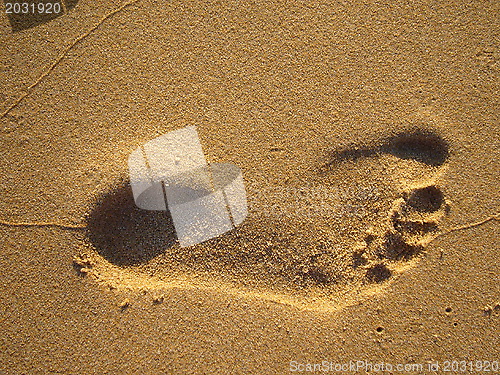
(367, 133)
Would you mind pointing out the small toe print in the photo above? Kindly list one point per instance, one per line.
(426, 199)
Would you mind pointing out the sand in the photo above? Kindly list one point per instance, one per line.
(367, 134)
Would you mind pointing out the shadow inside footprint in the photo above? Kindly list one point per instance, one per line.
(378, 273)
(125, 234)
(421, 145)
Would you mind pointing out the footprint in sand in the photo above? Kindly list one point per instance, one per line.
(367, 213)
(413, 218)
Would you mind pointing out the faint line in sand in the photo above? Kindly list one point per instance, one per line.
(42, 224)
(470, 225)
(65, 9)
(83, 226)
(63, 55)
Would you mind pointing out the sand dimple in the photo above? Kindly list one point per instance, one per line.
(362, 218)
